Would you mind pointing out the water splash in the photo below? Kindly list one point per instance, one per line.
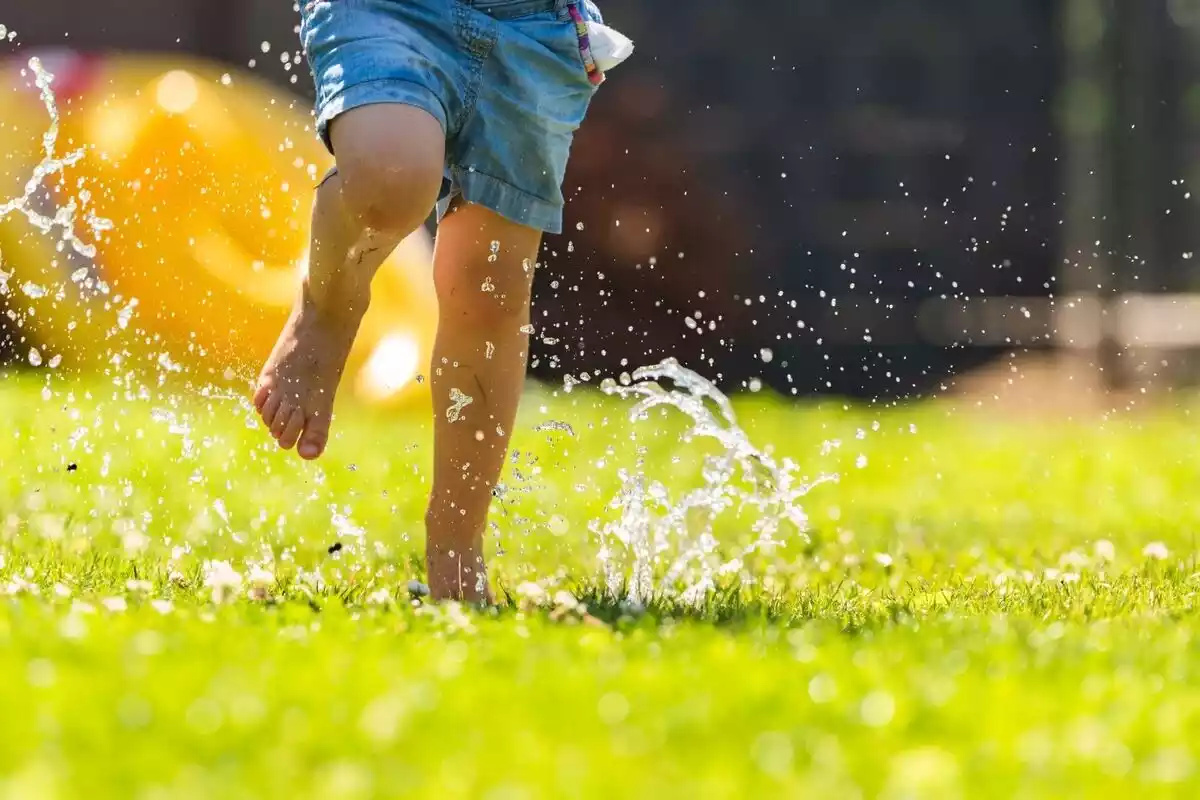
(65, 216)
(657, 544)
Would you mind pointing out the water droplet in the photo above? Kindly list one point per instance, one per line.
(490, 351)
(167, 365)
(755, 385)
(555, 425)
(487, 285)
(766, 354)
(458, 401)
(126, 313)
(35, 358)
(527, 329)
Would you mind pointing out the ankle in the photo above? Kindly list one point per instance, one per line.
(337, 298)
(456, 575)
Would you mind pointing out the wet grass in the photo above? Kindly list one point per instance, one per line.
(985, 608)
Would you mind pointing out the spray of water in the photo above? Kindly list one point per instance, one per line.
(658, 545)
(62, 213)
(65, 217)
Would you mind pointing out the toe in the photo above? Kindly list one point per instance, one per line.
(261, 393)
(292, 430)
(315, 437)
(270, 407)
(282, 417)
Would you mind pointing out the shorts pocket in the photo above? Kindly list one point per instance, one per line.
(558, 57)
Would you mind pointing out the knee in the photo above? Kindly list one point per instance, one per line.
(484, 301)
(393, 197)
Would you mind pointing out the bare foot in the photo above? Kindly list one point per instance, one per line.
(297, 385)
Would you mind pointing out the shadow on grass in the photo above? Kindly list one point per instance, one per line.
(730, 606)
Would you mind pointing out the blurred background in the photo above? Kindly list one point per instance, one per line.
(860, 197)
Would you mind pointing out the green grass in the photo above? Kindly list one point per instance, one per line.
(977, 613)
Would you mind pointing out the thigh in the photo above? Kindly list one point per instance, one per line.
(482, 259)
(368, 52)
(534, 91)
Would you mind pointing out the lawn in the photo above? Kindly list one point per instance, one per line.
(983, 607)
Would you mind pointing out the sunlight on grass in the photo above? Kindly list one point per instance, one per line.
(982, 608)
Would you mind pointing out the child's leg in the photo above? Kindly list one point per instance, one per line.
(390, 161)
(483, 268)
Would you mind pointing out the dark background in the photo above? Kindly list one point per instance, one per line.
(832, 162)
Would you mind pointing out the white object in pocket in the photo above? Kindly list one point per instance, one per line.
(609, 47)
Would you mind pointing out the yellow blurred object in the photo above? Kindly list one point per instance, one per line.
(208, 178)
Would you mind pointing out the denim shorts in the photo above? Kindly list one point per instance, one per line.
(505, 78)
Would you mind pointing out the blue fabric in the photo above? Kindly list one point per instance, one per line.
(505, 79)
